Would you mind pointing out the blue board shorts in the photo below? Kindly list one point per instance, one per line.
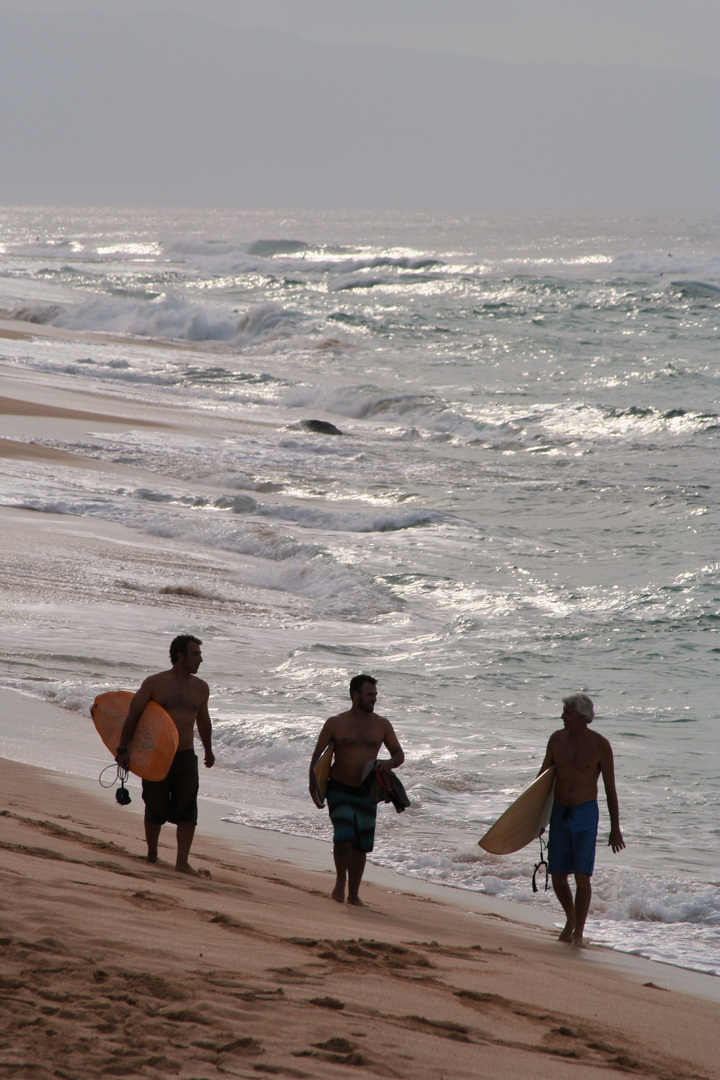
(174, 798)
(353, 814)
(573, 837)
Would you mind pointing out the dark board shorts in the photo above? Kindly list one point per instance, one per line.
(174, 798)
(573, 836)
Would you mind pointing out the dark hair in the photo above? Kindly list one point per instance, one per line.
(180, 644)
(358, 681)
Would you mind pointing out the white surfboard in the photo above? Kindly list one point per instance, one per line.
(321, 771)
(524, 819)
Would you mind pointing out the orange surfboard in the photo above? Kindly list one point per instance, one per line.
(155, 742)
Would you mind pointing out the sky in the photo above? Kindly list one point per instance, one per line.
(461, 105)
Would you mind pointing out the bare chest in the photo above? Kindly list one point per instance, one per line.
(179, 701)
(352, 737)
(578, 756)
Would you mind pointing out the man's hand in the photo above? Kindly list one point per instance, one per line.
(122, 756)
(209, 759)
(616, 841)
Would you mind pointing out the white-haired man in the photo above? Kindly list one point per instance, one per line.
(580, 756)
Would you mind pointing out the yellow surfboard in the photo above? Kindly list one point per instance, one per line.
(155, 741)
(524, 819)
(321, 771)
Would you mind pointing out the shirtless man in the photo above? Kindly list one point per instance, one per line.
(185, 697)
(358, 735)
(579, 756)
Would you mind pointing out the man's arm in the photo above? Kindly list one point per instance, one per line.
(138, 703)
(549, 758)
(204, 727)
(390, 740)
(325, 737)
(607, 768)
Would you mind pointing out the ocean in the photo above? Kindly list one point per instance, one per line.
(521, 501)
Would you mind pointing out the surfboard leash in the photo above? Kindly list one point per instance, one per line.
(122, 795)
(543, 862)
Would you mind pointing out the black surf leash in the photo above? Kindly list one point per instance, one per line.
(122, 795)
(543, 862)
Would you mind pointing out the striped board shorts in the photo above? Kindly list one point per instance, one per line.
(353, 815)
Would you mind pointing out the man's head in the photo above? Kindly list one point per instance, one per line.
(363, 692)
(179, 647)
(580, 704)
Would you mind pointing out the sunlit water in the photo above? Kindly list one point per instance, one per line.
(522, 503)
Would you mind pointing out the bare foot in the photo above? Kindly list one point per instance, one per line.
(338, 894)
(355, 901)
(579, 942)
(151, 857)
(567, 934)
(186, 868)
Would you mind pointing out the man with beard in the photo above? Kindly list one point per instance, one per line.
(357, 735)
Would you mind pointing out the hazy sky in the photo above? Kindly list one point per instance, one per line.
(448, 104)
(665, 34)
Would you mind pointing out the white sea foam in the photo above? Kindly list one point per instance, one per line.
(349, 521)
(286, 257)
(170, 316)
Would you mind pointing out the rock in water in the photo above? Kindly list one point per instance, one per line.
(323, 427)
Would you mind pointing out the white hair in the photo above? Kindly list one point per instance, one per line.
(582, 704)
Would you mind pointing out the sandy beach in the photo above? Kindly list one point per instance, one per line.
(115, 967)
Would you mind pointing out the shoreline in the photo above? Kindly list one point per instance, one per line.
(50, 743)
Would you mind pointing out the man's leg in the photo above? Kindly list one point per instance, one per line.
(356, 867)
(562, 890)
(152, 836)
(341, 854)
(583, 896)
(183, 804)
(185, 833)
